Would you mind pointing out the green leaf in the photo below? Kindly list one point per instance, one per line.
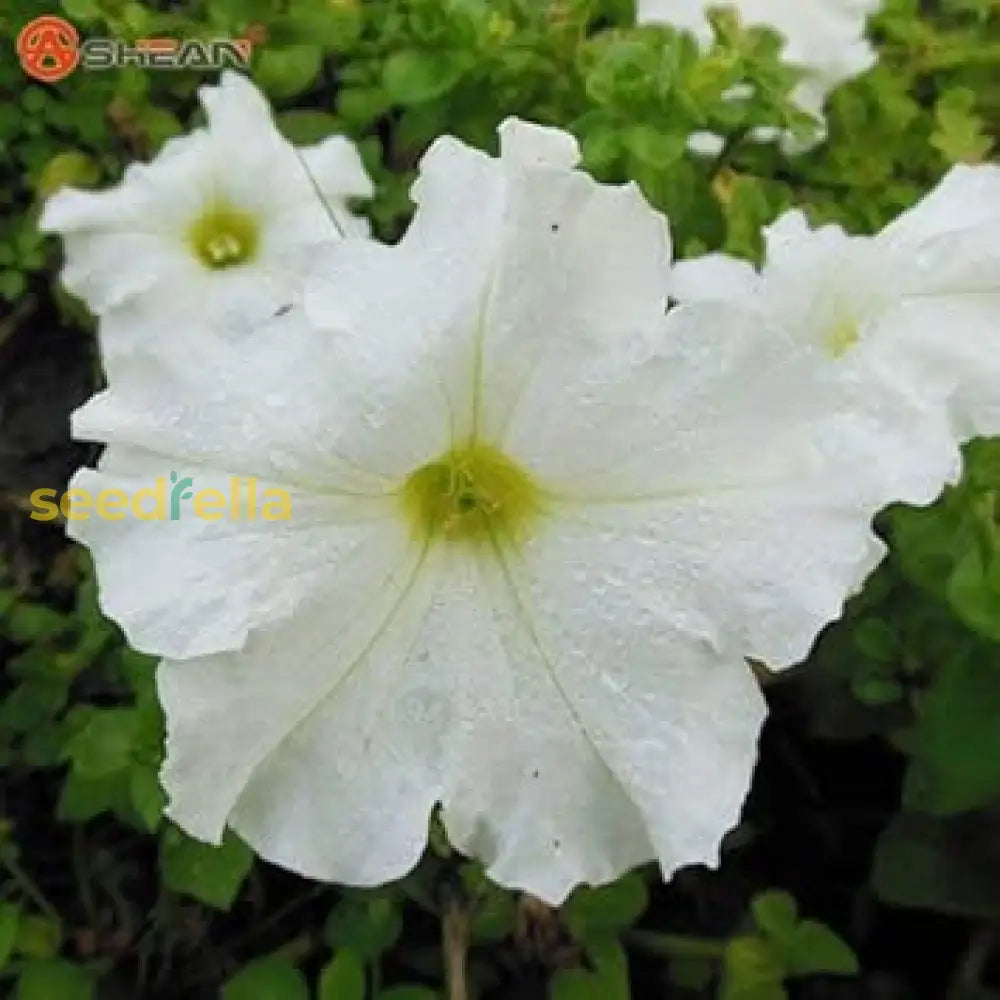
(343, 978)
(408, 993)
(955, 744)
(104, 744)
(876, 639)
(335, 25)
(494, 910)
(73, 168)
(413, 77)
(306, 127)
(775, 913)
(607, 908)
(367, 924)
(38, 937)
(752, 971)
(267, 979)
(654, 147)
(211, 874)
(148, 798)
(690, 972)
(814, 949)
(960, 135)
(81, 10)
(55, 979)
(973, 590)
(608, 980)
(289, 69)
(83, 798)
(950, 865)
(10, 918)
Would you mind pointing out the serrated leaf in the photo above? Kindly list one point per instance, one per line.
(960, 134)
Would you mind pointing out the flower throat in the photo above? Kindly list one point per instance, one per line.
(471, 494)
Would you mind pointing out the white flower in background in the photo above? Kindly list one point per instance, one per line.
(216, 227)
(908, 320)
(537, 526)
(825, 39)
(706, 144)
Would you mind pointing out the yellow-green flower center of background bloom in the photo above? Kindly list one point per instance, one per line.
(224, 237)
(472, 493)
(843, 335)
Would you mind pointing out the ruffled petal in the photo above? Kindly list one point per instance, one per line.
(296, 405)
(182, 583)
(430, 690)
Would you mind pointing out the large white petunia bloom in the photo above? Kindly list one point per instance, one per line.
(538, 524)
(214, 230)
(825, 39)
(908, 320)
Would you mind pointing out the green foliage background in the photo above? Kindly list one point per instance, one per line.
(876, 806)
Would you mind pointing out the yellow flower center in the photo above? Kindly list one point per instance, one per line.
(224, 237)
(474, 494)
(842, 336)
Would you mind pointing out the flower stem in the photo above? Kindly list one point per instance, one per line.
(455, 945)
(676, 945)
(27, 885)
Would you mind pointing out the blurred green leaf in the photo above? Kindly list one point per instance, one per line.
(267, 979)
(950, 865)
(212, 874)
(342, 978)
(960, 134)
(955, 744)
(288, 70)
(607, 908)
(55, 979)
(366, 924)
(414, 77)
(10, 918)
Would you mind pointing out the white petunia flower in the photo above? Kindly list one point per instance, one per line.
(908, 320)
(215, 228)
(825, 39)
(537, 526)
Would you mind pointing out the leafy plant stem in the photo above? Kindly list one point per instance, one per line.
(675, 945)
(28, 887)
